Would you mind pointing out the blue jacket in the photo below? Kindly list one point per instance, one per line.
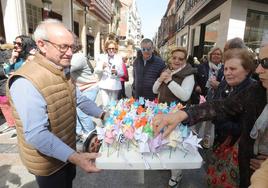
(145, 76)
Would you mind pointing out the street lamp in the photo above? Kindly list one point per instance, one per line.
(46, 8)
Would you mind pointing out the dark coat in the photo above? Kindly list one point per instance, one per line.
(246, 107)
(5, 54)
(232, 128)
(145, 76)
(202, 76)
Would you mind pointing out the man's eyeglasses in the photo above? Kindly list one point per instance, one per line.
(263, 62)
(146, 49)
(17, 43)
(62, 47)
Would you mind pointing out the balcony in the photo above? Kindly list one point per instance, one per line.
(193, 7)
(180, 24)
(179, 3)
(101, 8)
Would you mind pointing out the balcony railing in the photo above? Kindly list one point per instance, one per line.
(101, 8)
(180, 24)
(192, 7)
(179, 3)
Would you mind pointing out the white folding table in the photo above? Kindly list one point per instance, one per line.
(128, 158)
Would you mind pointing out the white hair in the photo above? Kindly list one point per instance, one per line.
(41, 31)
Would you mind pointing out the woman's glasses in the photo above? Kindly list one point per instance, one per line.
(17, 43)
(263, 62)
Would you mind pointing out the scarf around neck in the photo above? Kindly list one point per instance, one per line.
(259, 131)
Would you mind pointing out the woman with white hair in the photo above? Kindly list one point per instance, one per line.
(208, 75)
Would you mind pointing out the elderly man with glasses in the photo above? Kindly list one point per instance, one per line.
(146, 69)
(44, 101)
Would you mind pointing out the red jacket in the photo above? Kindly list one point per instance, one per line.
(125, 77)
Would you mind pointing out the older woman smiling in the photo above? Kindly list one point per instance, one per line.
(244, 103)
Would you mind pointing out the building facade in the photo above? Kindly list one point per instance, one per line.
(130, 28)
(88, 19)
(203, 24)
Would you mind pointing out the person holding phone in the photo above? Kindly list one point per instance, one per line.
(109, 68)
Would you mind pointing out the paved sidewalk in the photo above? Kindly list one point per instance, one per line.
(12, 172)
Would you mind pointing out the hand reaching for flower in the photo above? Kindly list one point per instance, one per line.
(166, 123)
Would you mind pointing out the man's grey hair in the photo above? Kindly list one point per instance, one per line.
(234, 43)
(41, 30)
(237, 43)
(146, 41)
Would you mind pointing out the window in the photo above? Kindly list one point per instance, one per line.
(211, 34)
(34, 16)
(255, 24)
(184, 40)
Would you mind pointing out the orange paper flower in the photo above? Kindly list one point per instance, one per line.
(122, 115)
(140, 110)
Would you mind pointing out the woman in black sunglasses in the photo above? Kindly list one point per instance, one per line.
(24, 46)
(260, 129)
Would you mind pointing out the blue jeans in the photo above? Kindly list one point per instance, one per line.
(84, 123)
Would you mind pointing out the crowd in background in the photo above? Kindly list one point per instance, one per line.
(230, 80)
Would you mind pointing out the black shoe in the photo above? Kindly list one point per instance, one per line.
(14, 135)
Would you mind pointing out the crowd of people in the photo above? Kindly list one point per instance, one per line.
(48, 91)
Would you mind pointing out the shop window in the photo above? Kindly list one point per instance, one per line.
(211, 35)
(256, 23)
(34, 16)
(184, 40)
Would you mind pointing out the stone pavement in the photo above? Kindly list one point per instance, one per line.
(13, 174)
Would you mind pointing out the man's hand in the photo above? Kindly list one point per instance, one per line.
(170, 121)
(256, 162)
(86, 161)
